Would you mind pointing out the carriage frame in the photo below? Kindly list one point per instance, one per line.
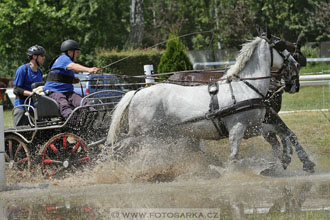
(60, 145)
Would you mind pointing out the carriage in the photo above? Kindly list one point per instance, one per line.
(55, 144)
(59, 145)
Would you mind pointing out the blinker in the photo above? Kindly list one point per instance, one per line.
(280, 46)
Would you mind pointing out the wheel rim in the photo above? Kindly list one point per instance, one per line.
(17, 155)
(62, 154)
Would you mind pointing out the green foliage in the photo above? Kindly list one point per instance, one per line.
(311, 52)
(175, 57)
(237, 22)
(131, 62)
(93, 23)
(104, 24)
(286, 18)
(319, 23)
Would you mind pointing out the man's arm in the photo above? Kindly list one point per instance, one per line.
(80, 68)
(19, 91)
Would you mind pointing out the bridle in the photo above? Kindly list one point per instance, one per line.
(281, 48)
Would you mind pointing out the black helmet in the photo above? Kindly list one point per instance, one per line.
(36, 50)
(69, 45)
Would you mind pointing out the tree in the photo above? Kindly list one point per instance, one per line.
(319, 24)
(286, 18)
(175, 57)
(136, 25)
(95, 24)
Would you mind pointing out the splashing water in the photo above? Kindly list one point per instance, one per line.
(173, 159)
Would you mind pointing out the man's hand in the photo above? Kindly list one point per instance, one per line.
(80, 68)
(93, 70)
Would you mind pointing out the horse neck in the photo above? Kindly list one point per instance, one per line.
(258, 67)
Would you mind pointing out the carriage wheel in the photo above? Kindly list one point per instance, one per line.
(17, 155)
(63, 153)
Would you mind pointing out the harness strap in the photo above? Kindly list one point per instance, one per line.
(231, 90)
(214, 106)
(232, 109)
(253, 88)
(220, 126)
(61, 78)
(238, 107)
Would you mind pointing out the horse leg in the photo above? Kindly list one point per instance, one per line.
(287, 150)
(236, 134)
(308, 165)
(271, 138)
(124, 147)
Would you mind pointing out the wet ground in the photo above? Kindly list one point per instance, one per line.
(185, 188)
(235, 195)
(178, 183)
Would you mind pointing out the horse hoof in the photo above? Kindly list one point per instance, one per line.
(286, 160)
(309, 166)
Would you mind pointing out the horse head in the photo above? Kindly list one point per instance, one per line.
(293, 85)
(292, 58)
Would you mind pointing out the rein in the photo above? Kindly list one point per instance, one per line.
(230, 79)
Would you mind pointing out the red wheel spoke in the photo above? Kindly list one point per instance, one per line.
(64, 142)
(23, 160)
(75, 148)
(17, 152)
(10, 148)
(18, 149)
(84, 159)
(50, 208)
(64, 152)
(54, 149)
(47, 161)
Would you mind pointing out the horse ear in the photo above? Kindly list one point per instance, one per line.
(259, 30)
(269, 34)
(299, 41)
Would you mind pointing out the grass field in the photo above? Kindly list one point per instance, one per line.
(311, 128)
(312, 68)
(7, 119)
(307, 98)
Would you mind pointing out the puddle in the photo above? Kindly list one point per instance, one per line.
(236, 195)
(170, 183)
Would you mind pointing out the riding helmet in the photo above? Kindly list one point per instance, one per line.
(69, 45)
(36, 50)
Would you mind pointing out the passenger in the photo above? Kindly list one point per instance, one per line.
(61, 77)
(25, 76)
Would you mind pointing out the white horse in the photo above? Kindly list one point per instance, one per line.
(180, 110)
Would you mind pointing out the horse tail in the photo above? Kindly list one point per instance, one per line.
(118, 115)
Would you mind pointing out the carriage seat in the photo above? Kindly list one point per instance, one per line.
(46, 106)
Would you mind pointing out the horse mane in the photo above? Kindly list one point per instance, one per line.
(244, 56)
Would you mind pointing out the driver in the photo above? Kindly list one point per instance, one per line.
(61, 77)
(25, 76)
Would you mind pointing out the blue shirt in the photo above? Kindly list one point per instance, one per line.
(60, 64)
(25, 79)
